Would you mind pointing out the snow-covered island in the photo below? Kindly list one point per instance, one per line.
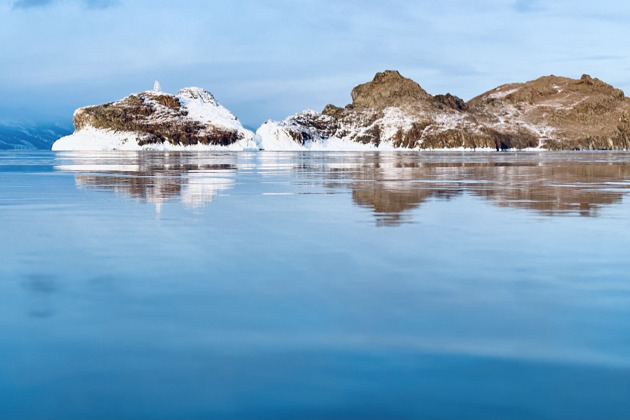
(393, 112)
(154, 120)
(390, 112)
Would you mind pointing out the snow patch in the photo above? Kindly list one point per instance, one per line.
(501, 94)
(276, 136)
(394, 119)
(202, 107)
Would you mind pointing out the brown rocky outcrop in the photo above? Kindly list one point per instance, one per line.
(159, 117)
(387, 89)
(563, 113)
(555, 113)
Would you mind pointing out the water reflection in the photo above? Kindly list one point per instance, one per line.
(156, 178)
(550, 184)
(557, 188)
(391, 201)
(391, 185)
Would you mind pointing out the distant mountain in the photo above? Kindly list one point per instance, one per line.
(31, 136)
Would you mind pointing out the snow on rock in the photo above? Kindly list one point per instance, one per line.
(202, 106)
(153, 120)
(390, 112)
(394, 112)
(275, 136)
(559, 113)
(307, 130)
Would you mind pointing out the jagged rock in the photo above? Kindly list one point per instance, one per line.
(157, 120)
(392, 111)
(296, 131)
(452, 101)
(561, 113)
(388, 89)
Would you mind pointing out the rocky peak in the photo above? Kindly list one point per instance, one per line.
(387, 89)
(551, 91)
(451, 101)
(563, 113)
(197, 94)
(586, 79)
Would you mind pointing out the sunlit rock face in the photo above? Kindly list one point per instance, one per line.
(392, 112)
(192, 119)
(563, 113)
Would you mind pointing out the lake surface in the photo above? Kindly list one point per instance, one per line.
(314, 285)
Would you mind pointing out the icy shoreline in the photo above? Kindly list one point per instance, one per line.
(92, 139)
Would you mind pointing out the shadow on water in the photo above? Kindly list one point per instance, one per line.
(391, 185)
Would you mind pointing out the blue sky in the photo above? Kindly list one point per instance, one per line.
(268, 59)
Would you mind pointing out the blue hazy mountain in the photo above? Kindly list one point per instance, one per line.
(31, 135)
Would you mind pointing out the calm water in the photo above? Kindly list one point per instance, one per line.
(301, 285)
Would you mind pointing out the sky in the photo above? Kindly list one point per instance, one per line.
(270, 59)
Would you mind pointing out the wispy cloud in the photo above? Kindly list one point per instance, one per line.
(27, 4)
(527, 6)
(99, 4)
(88, 4)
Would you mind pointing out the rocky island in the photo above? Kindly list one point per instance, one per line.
(155, 120)
(389, 112)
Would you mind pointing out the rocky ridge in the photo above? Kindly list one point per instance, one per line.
(392, 111)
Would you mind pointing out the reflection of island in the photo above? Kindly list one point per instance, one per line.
(391, 202)
(391, 185)
(564, 188)
(156, 178)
